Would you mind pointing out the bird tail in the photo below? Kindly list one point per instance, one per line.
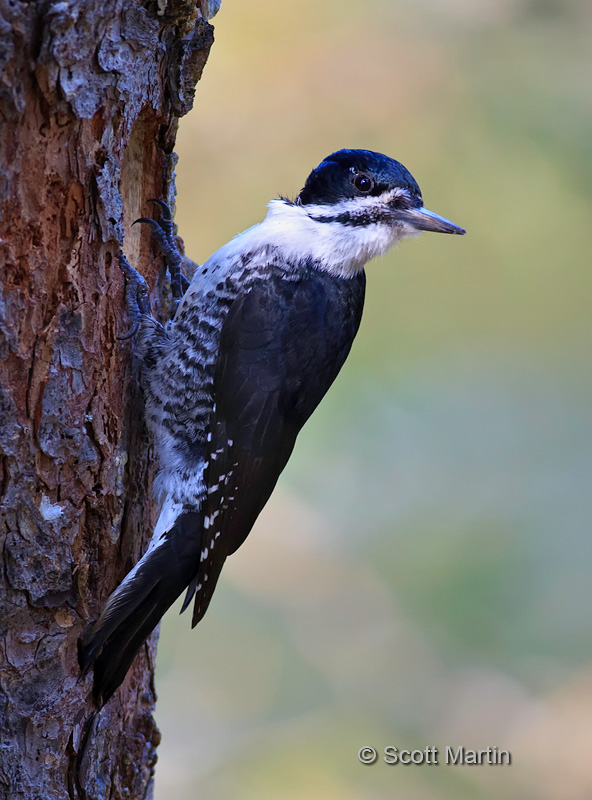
(134, 609)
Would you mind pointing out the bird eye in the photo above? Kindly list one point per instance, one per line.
(363, 183)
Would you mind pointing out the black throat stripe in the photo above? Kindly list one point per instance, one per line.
(355, 219)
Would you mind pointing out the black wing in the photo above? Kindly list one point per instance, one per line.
(281, 347)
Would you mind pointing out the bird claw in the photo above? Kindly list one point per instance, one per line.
(132, 332)
(136, 293)
(164, 235)
(138, 302)
(165, 209)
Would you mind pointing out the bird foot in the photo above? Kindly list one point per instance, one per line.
(164, 234)
(136, 295)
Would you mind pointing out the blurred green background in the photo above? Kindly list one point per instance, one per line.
(421, 576)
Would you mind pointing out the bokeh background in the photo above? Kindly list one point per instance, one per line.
(422, 575)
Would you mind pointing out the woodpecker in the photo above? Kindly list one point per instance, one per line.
(257, 339)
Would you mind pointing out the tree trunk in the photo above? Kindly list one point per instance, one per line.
(90, 95)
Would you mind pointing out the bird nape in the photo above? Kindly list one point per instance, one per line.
(257, 339)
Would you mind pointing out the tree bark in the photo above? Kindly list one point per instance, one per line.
(90, 96)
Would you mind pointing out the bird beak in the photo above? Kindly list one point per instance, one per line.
(423, 220)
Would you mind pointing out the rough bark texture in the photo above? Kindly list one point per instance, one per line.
(90, 94)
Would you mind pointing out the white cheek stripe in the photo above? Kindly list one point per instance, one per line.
(341, 250)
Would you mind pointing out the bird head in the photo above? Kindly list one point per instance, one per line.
(363, 188)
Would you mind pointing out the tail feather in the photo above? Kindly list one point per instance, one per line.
(136, 606)
(113, 662)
